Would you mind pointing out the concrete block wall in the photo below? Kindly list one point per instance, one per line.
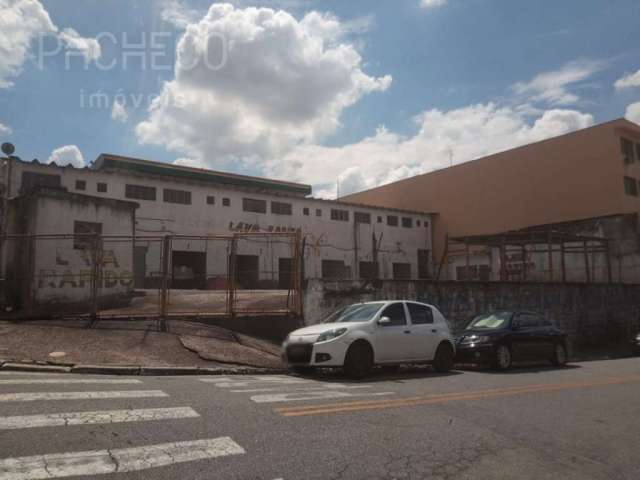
(591, 314)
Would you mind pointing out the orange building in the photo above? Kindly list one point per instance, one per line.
(589, 173)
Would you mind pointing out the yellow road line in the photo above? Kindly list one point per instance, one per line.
(449, 397)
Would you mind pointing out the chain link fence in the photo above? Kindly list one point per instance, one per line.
(102, 276)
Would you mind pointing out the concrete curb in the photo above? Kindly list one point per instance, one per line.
(135, 370)
(28, 367)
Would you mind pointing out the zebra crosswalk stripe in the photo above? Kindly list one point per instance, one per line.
(68, 381)
(95, 417)
(121, 460)
(35, 396)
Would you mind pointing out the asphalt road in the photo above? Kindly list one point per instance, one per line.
(580, 422)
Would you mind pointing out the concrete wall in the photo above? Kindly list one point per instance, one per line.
(325, 239)
(55, 271)
(589, 313)
(571, 177)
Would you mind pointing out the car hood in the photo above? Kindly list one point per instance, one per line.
(324, 327)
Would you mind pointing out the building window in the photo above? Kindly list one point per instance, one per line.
(280, 208)
(340, 215)
(211, 200)
(402, 271)
(379, 219)
(226, 202)
(85, 230)
(426, 224)
(335, 270)
(362, 217)
(369, 270)
(630, 186)
(254, 205)
(176, 196)
(626, 146)
(392, 220)
(102, 187)
(81, 185)
(417, 223)
(638, 151)
(407, 222)
(30, 180)
(318, 212)
(305, 211)
(140, 192)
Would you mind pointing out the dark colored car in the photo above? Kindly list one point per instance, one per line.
(500, 338)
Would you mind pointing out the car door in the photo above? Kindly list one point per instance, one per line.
(523, 336)
(394, 341)
(424, 333)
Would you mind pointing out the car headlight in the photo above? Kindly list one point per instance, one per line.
(331, 334)
(476, 339)
(638, 337)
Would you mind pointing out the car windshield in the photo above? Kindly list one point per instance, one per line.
(490, 321)
(360, 312)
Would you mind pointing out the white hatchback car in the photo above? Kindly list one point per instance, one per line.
(362, 335)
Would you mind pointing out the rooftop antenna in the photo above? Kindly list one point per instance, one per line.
(450, 150)
(338, 188)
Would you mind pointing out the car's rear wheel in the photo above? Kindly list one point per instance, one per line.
(359, 360)
(559, 355)
(502, 358)
(443, 361)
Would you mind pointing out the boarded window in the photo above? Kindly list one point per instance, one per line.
(280, 208)
(630, 186)
(340, 215)
(362, 217)
(626, 147)
(335, 270)
(140, 192)
(84, 231)
(211, 200)
(30, 180)
(392, 220)
(369, 270)
(407, 222)
(226, 202)
(254, 205)
(176, 196)
(423, 264)
(102, 187)
(81, 185)
(402, 271)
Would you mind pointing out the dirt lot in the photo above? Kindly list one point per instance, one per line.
(134, 342)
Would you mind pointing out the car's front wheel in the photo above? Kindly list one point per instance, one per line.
(502, 358)
(443, 361)
(359, 360)
(559, 355)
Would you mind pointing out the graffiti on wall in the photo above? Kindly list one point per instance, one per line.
(245, 227)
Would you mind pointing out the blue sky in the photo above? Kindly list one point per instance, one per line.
(433, 78)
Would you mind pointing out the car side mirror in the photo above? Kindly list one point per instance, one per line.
(384, 321)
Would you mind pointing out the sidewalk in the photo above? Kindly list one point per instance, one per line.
(135, 343)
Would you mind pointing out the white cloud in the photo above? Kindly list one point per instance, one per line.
(5, 131)
(432, 3)
(119, 112)
(178, 14)
(552, 87)
(629, 80)
(21, 22)
(443, 138)
(67, 155)
(88, 47)
(633, 113)
(284, 82)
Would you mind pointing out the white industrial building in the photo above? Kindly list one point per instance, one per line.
(340, 240)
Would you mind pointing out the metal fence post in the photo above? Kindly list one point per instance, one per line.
(166, 248)
(231, 276)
